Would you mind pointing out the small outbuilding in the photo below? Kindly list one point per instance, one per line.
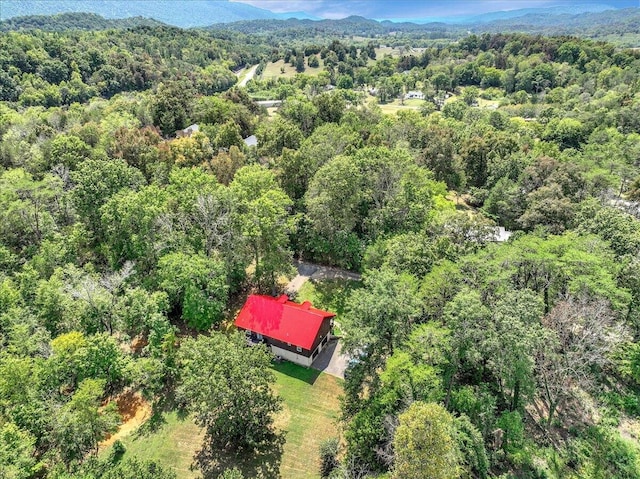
(188, 131)
(251, 141)
(414, 95)
(296, 332)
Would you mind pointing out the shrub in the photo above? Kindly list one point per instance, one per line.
(328, 456)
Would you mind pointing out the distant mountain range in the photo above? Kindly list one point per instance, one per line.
(590, 25)
(181, 13)
(510, 14)
(74, 21)
(201, 13)
(592, 21)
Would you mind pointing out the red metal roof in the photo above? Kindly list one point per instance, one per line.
(281, 319)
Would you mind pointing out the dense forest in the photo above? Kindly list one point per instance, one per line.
(127, 247)
(73, 21)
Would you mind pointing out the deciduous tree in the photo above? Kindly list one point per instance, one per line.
(425, 444)
(196, 285)
(79, 425)
(584, 334)
(228, 388)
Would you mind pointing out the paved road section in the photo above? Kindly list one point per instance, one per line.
(331, 360)
(248, 76)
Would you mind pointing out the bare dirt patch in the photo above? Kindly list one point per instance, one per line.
(630, 429)
(134, 411)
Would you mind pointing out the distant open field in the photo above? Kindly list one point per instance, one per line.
(273, 70)
(395, 106)
(384, 50)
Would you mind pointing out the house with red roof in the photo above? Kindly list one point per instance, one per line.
(296, 332)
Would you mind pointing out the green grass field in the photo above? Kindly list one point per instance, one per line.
(172, 442)
(491, 104)
(273, 70)
(309, 416)
(395, 106)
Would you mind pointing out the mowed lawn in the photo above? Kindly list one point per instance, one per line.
(172, 442)
(310, 412)
(395, 106)
(273, 70)
(310, 415)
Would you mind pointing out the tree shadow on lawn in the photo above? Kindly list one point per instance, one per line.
(151, 425)
(159, 409)
(263, 462)
(307, 375)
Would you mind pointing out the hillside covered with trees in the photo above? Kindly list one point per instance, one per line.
(127, 249)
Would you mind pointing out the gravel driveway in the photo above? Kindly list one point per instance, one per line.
(330, 360)
(308, 271)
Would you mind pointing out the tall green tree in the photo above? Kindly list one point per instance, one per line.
(265, 222)
(17, 453)
(514, 337)
(130, 224)
(196, 286)
(94, 182)
(80, 424)
(172, 105)
(227, 386)
(30, 209)
(380, 317)
(425, 444)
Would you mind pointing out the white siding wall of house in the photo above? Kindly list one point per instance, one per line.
(291, 356)
(299, 358)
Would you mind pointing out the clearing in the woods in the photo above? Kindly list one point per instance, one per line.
(309, 416)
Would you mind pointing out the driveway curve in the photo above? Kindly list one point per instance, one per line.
(250, 74)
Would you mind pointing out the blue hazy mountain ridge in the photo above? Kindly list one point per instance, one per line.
(557, 10)
(510, 14)
(201, 13)
(191, 13)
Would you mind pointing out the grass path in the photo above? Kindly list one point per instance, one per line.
(172, 443)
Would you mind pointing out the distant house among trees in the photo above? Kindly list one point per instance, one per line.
(188, 131)
(414, 95)
(251, 140)
(293, 331)
(269, 103)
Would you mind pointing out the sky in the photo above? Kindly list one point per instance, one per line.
(390, 9)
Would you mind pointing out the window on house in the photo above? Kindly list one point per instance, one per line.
(299, 349)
